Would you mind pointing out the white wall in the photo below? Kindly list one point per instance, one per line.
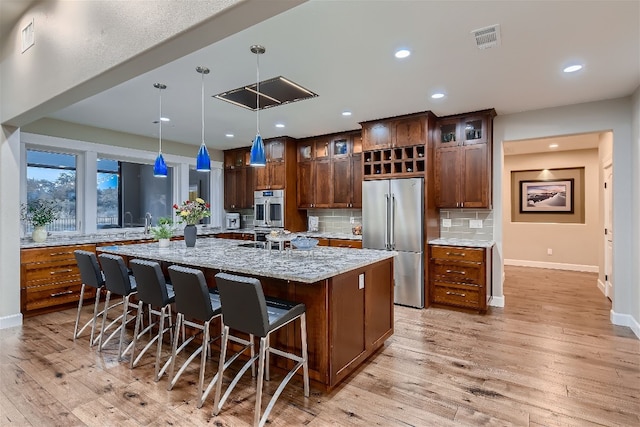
(615, 115)
(574, 245)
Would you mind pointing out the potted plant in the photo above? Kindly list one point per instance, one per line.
(163, 231)
(39, 213)
(191, 212)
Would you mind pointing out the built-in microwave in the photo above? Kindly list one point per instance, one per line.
(269, 208)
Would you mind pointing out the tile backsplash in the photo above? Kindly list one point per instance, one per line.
(336, 220)
(461, 221)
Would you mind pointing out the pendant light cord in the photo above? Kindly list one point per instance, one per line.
(258, 93)
(203, 107)
(160, 121)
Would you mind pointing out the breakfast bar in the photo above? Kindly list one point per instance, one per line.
(348, 294)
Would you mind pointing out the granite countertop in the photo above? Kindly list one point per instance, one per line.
(463, 242)
(224, 254)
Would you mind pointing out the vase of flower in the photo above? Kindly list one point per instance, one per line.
(192, 212)
(39, 234)
(190, 235)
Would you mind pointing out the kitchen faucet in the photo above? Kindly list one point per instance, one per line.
(147, 222)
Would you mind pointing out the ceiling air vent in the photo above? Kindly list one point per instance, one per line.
(487, 37)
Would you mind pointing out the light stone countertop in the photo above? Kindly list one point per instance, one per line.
(463, 242)
(224, 254)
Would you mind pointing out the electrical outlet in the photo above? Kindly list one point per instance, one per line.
(361, 281)
(475, 223)
(446, 222)
(352, 220)
(549, 251)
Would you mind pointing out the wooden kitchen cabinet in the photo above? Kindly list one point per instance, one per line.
(273, 175)
(344, 243)
(460, 276)
(329, 171)
(463, 161)
(376, 135)
(50, 278)
(238, 180)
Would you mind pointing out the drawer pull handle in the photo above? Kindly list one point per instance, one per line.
(61, 294)
(456, 253)
(456, 294)
(456, 271)
(66, 270)
(60, 253)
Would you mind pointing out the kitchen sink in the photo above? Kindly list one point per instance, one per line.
(254, 245)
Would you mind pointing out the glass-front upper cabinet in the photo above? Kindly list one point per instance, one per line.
(474, 130)
(305, 150)
(341, 146)
(448, 133)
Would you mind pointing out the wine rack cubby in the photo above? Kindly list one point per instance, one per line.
(394, 162)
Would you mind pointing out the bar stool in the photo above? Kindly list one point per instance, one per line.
(246, 309)
(119, 282)
(92, 276)
(154, 291)
(194, 301)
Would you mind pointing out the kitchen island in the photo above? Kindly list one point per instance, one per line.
(348, 294)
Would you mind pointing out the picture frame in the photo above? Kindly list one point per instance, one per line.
(546, 196)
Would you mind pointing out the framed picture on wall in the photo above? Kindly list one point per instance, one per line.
(539, 196)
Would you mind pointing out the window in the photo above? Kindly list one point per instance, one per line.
(108, 194)
(127, 193)
(52, 176)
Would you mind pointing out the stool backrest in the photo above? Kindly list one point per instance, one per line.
(116, 275)
(192, 293)
(150, 282)
(89, 268)
(243, 304)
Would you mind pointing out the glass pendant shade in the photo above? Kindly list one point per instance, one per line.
(203, 161)
(257, 156)
(160, 167)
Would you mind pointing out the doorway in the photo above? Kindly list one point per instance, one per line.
(608, 231)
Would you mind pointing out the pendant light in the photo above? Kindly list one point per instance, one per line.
(257, 155)
(160, 167)
(203, 161)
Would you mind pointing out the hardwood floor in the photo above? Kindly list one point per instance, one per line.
(550, 358)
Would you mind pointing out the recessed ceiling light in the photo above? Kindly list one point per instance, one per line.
(165, 119)
(279, 125)
(402, 53)
(572, 68)
(229, 135)
(553, 145)
(437, 95)
(346, 113)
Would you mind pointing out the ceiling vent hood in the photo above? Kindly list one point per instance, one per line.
(273, 92)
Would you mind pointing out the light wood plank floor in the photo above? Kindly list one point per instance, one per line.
(551, 358)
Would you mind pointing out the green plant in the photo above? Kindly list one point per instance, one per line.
(192, 211)
(164, 229)
(40, 212)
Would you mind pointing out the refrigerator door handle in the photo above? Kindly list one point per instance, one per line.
(392, 225)
(386, 222)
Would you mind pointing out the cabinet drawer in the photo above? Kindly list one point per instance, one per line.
(458, 272)
(463, 296)
(53, 253)
(345, 243)
(457, 253)
(38, 297)
(49, 272)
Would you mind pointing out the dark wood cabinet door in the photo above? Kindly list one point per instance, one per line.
(305, 181)
(275, 151)
(323, 184)
(261, 177)
(342, 180)
(447, 177)
(277, 175)
(230, 189)
(341, 146)
(473, 130)
(376, 135)
(378, 288)
(447, 133)
(245, 189)
(474, 190)
(356, 181)
(410, 131)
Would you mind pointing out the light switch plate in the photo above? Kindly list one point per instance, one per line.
(361, 281)
(475, 223)
(446, 222)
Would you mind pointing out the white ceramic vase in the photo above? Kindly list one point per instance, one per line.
(163, 243)
(39, 234)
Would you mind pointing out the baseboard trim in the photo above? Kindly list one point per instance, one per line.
(11, 321)
(552, 265)
(626, 320)
(496, 301)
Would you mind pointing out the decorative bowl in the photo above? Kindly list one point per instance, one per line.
(304, 243)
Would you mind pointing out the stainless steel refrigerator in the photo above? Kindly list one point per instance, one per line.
(392, 219)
